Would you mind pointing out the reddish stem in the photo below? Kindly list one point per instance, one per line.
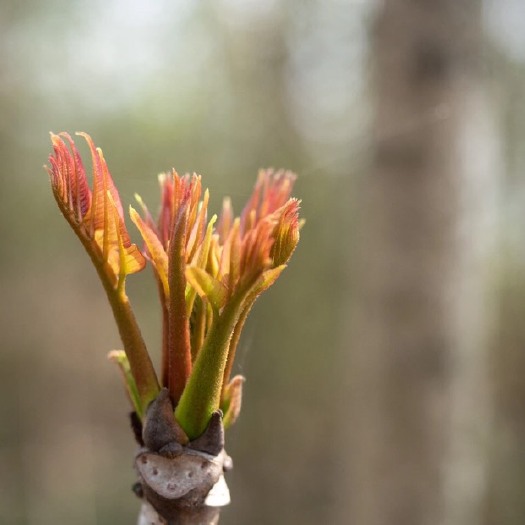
(179, 348)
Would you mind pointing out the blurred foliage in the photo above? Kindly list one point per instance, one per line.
(220, 88)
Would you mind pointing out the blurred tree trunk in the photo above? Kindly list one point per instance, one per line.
(417, 369)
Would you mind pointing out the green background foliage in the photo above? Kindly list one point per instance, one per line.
(219, 88)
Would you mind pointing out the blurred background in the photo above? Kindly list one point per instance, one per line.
(386, 370)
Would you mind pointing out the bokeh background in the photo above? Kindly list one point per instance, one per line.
(386, 370)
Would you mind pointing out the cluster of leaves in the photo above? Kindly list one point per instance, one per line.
(209, 274)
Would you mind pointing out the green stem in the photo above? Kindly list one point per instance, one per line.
(164, 373)
(235, 341)
(202, 394)
(139, 359)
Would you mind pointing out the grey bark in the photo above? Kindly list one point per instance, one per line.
(205, 516)
(181, 482)
(417, 344)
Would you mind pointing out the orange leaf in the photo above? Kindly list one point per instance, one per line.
(156, 251)
(232, 400)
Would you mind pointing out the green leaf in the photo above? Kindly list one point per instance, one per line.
(119, 357)
(207, 287)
